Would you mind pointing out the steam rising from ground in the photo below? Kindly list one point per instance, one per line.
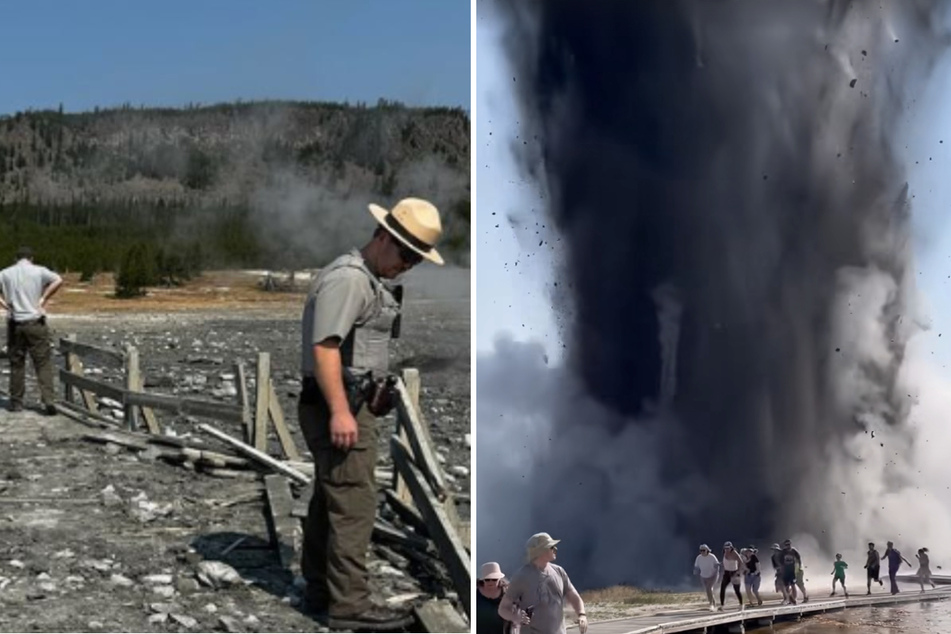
(737, 224)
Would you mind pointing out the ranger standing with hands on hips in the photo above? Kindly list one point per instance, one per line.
(349, 319)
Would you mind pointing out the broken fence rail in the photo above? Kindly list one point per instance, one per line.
(182, 406)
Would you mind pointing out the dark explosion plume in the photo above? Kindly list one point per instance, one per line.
(725, 177)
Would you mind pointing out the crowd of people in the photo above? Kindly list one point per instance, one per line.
(743, 568)
(533, 600)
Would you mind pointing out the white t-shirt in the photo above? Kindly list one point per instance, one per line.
(731, 564)
(22, 286)
(707, 565)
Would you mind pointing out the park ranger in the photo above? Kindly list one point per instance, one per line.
(349, 318)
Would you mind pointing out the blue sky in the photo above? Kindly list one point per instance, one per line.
(172, 52)
(512, 299)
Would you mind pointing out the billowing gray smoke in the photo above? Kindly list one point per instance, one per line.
(726, 179)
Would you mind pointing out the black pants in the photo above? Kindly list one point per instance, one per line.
(727, 580)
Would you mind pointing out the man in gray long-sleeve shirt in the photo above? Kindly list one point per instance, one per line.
(24, 290)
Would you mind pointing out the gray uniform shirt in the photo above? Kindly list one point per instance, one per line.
(544, 590)
(340, 298)
(22, 286)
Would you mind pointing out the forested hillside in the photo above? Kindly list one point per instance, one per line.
(261, 184)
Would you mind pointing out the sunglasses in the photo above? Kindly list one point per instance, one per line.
(408, 255)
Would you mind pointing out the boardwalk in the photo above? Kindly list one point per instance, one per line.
(734, 621)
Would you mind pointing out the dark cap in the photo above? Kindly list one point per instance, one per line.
(24, 252)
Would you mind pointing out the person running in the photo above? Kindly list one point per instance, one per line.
(800, 575)
(895, 560)
(707, 567)
(788, 576)
(776, 559)
(873, 567)
(753, 576)
(924, 568)
(492, 586)
(838, 574)
(732, 568)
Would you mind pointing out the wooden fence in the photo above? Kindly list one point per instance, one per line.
(417, 492)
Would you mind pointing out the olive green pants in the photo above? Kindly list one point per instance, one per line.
(342, 511)
(31, 338)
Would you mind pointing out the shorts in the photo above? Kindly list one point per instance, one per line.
(789, 577)
(752, 581)
(839, 578)
(873, 572)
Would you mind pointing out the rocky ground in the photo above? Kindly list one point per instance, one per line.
(99, 538)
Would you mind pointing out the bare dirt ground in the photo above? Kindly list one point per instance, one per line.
(99, 538)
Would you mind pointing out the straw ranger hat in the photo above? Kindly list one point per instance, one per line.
(414, 222)
(491, 570)
(538, 544)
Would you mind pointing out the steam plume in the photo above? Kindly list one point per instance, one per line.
(737, 222)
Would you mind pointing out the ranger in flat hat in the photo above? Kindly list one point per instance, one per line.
(349, 319)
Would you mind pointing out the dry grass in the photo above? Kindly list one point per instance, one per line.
(215, 290)
(628, 595)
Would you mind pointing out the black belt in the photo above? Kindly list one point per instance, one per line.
(39, 320)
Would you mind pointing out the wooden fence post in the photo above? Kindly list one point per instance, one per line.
(246, 423)
(75, 366)
(261, 403)
(410, 378)
(131, 384)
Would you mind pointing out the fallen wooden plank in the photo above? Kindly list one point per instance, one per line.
(381, 474)
(84, 416)
(407, 512)
(182, 447)
(85, 383)
(251, 452)
(423, 453)
(284, 528)
(124, 440)
(388, 534)
(110, 356)
(230, 473)
(251, 496)
(440, 527)
(6, 500)
(277, 417)
(440, 616)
